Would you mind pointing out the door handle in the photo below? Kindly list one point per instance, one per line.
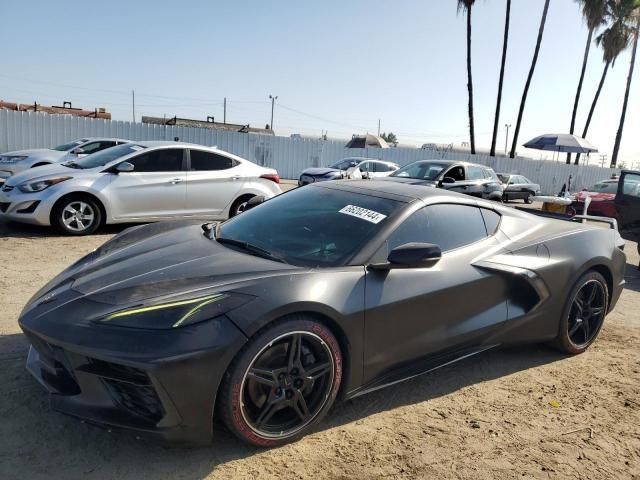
(235, 177)
(173, 181)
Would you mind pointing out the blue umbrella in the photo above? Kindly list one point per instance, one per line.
(561, 142)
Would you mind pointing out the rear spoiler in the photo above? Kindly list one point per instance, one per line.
(613, 223)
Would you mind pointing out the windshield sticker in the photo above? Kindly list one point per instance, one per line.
(363, 213)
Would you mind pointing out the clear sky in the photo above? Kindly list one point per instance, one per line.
(335, 65)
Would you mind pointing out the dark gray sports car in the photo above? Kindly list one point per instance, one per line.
(328, 291)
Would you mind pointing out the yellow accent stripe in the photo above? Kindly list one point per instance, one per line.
(196, 308)
(152, 308)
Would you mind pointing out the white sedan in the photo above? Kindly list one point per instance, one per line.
(136, 182)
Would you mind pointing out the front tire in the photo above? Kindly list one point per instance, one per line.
(528, 199)
(282, 382)
(76, 215)
(583, 314)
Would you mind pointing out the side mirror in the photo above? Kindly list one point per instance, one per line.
(124, 167)
(448, 180)
(254, 202)
(411, 255)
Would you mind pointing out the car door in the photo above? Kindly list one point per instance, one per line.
(213, 182)
(455, 179)
(156, 188)
(627, 203)
(420, 313)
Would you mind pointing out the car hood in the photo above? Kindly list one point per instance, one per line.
(36, 153)
(595, 196)
(316, 172)
(45, 171)
(412, 181)
(156, 261)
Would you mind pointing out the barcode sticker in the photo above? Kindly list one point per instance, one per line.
(363, 213)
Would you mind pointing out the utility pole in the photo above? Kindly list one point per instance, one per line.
(273, 101)
(224, 116)
(506, 140)
(133, 104)
(378, 127)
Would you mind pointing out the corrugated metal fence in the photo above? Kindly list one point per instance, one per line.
(21, 130)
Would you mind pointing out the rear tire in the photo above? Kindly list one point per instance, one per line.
(239, 205)
(583, 314)
(282, 382)
(76, 215)
(528, 199)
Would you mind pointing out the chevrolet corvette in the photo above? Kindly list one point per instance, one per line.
(324, 293)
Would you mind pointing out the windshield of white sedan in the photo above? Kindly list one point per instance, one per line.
(345, 164)
(421, 170)
(604, 187)
(310, 226)
(105, 156)
(68, 146)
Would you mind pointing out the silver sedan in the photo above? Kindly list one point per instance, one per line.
(136, 182)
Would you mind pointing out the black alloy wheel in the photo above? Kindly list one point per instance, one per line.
(584, 313)
(284, 382)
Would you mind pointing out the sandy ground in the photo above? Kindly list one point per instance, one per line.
(486, 417)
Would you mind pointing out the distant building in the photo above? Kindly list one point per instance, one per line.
(209, 123)
(66, 109)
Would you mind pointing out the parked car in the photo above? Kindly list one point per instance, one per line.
(326, 292)
(136, 182)
(518, 187)
(462, 177)
(367, 167)
(18, 161)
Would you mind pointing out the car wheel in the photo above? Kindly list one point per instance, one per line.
(528, 199)
(239, 205)
(77, 215)
(282, 383)
(583, 314)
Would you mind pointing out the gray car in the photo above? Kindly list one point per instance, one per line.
(369, 168)
(21, 160)
(136, 182)
(518, 187)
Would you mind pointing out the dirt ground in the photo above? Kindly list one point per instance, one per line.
(527, 412)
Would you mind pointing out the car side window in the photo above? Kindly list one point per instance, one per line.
(365, 167)
(165, 160)
(631, 185)
(525, 180)
(449, 226)
(201, 160)
(491, 220)
(457, 173)
(475, 173)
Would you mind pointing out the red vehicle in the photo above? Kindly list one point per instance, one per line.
(616, 198)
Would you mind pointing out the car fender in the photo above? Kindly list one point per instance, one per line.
(254, 188)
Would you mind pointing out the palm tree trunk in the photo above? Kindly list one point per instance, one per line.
(577, 100)
(593, 105)
(543, 20)
(504, 58)
(472, 133)
(616, 147)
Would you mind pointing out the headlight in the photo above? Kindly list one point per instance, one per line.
(39, 185)
(176, 314)
(11, 160)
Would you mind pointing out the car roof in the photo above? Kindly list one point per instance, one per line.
(396, 190)
(451, 162)
(93, 139)
(167, 143)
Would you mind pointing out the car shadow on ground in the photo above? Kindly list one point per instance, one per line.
(23, 230)
(31, 422)
(632, 277)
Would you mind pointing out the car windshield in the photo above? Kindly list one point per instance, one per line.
(101, 158)
(604, 187)
(421, 170)
(311, 226)
(69, 146)
(345, 163)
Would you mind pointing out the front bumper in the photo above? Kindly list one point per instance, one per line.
(32, 208)
(164, 388)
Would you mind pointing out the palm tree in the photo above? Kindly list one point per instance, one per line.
(466, 6)
(614, 40)
(543, 20)
(504, 58)
(593, 12)
(633, 16)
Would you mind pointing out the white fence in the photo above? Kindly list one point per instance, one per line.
(21, 130)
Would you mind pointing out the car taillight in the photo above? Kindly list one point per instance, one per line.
(271, 176)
